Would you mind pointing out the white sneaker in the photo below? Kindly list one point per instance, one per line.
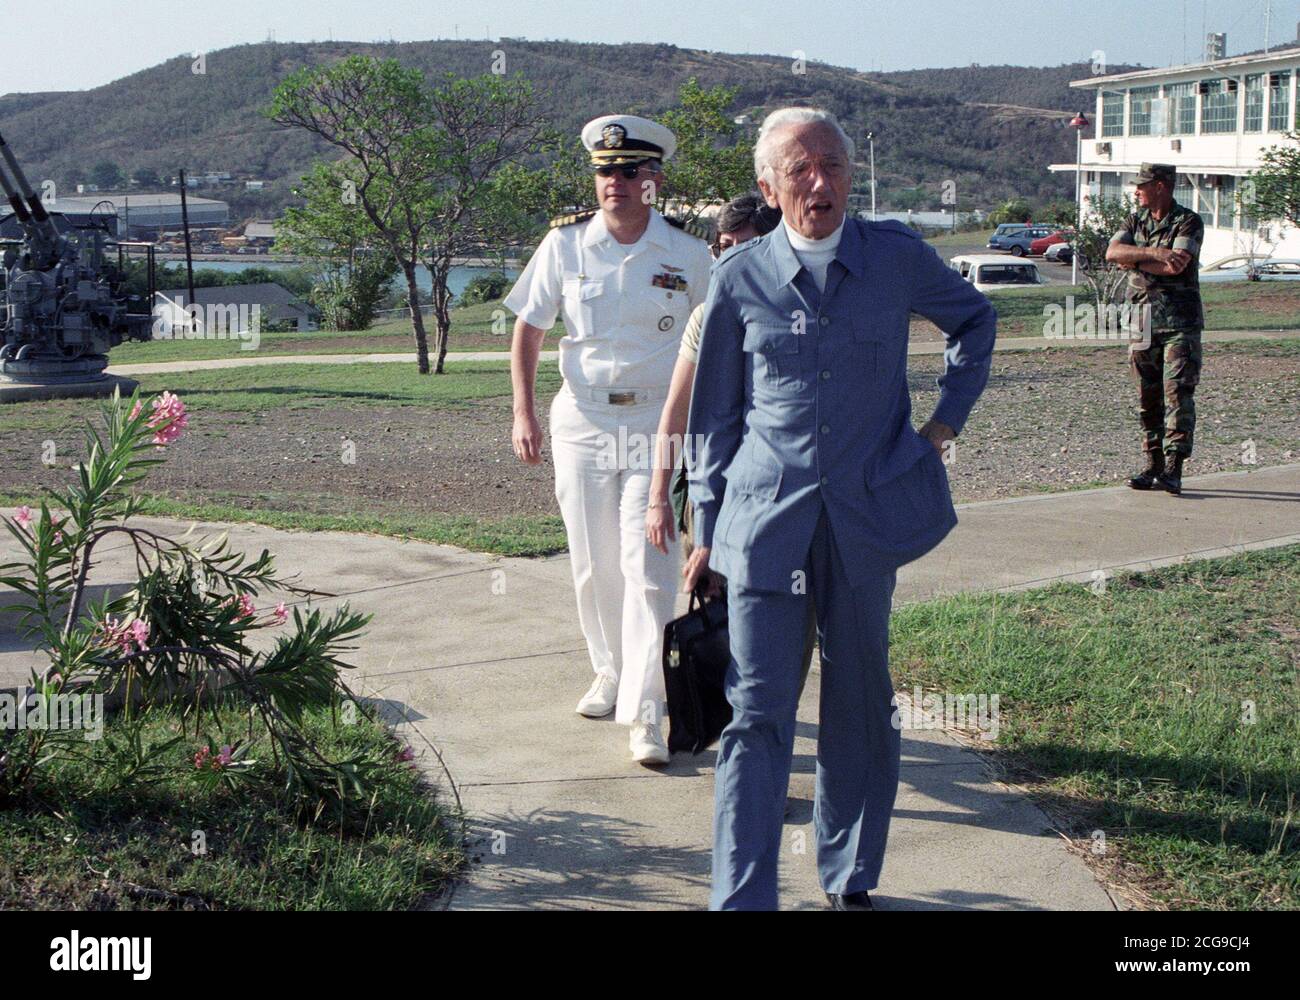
(647, 745)
(600, 698)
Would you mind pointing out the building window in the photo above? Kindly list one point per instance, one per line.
(1181, 98)
(1246, 188)
(1183, 192)
(1139, 115)
(1279, 101)
(1254, 119)
(1112, 113)
(1205, 200)
(1227, 202)
(1112, 187)
(1218, 106)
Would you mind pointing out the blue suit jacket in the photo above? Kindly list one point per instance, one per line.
(801, 403)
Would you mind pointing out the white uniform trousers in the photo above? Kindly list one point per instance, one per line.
(626, 588)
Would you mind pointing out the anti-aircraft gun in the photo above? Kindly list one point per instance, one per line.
(63, 301)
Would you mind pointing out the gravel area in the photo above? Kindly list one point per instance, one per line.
(1048, 421)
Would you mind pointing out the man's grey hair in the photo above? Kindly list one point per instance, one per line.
(781, 119)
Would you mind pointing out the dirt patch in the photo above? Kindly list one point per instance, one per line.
(1048, 421)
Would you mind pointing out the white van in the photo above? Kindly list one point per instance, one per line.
(996, 272)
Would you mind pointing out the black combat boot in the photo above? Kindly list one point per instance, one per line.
(1171, 480)
(1150, 476)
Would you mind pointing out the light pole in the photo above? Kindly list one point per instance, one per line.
(1079, 122)
(871, 144)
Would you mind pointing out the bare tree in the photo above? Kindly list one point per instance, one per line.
(376, 111)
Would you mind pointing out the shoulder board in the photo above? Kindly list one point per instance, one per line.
(700, 230)
(894, 226)
(572, 217)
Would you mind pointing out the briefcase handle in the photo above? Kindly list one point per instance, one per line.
(699, 605)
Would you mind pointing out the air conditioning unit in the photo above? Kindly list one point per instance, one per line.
(1203, 87)
(1176, 145)
(1275, 80)
(1103, 149)
(1232, 85)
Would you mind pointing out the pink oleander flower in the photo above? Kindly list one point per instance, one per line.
(281, 613)
(169, 419)
(129, 638)
(405, 754)
(58, 537)
(245, 603)
(135, 410)
(223, 758)
(24, 516)
(139, 633)
(200, 758)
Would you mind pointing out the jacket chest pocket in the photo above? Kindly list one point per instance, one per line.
(664, 310)
(774, 352)
(880, 340)
(586, 303)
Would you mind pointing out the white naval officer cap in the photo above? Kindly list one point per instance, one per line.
(614, 139)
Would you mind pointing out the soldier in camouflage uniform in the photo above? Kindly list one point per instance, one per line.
(1160, 245)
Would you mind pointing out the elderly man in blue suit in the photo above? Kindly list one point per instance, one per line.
(809, 483)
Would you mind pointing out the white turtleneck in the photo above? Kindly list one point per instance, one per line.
(815, 255)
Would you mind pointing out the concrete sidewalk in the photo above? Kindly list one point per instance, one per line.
(915, 348)
(482, 658)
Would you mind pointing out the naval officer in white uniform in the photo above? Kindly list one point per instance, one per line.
(626, 280)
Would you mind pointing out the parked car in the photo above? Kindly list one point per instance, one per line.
(1063, 253)
(1005, 229)
(1251, 268)
(1018, 243)
(994, 273)
(1040, 245)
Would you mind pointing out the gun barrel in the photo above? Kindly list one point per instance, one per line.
(12, 196)
(35, 206)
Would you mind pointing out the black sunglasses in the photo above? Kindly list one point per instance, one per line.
(628, 170)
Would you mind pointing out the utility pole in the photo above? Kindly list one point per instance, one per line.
(185, 223)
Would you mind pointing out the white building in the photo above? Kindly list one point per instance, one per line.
(1212, 121)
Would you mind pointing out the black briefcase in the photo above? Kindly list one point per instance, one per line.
(696, 655)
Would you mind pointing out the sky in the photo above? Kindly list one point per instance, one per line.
(63, 45)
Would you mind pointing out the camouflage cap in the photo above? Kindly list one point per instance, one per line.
(1149, 172)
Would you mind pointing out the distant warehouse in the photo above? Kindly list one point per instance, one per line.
(149, 214)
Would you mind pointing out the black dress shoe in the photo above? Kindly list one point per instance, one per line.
(849, 901)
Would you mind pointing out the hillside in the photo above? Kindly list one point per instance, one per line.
(930, 125)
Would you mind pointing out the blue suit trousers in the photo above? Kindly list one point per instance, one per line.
(857, 743)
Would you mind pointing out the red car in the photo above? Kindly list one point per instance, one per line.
(1039, 246)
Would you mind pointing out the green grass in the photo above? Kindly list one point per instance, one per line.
(521, 535)
(1243, 305)
(81, 841)
(305, 386)
(943, 241)
(473, 328)
(311, 386)
(1230, 306)
(1127, 711)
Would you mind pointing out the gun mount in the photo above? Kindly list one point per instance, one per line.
(64, 302)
